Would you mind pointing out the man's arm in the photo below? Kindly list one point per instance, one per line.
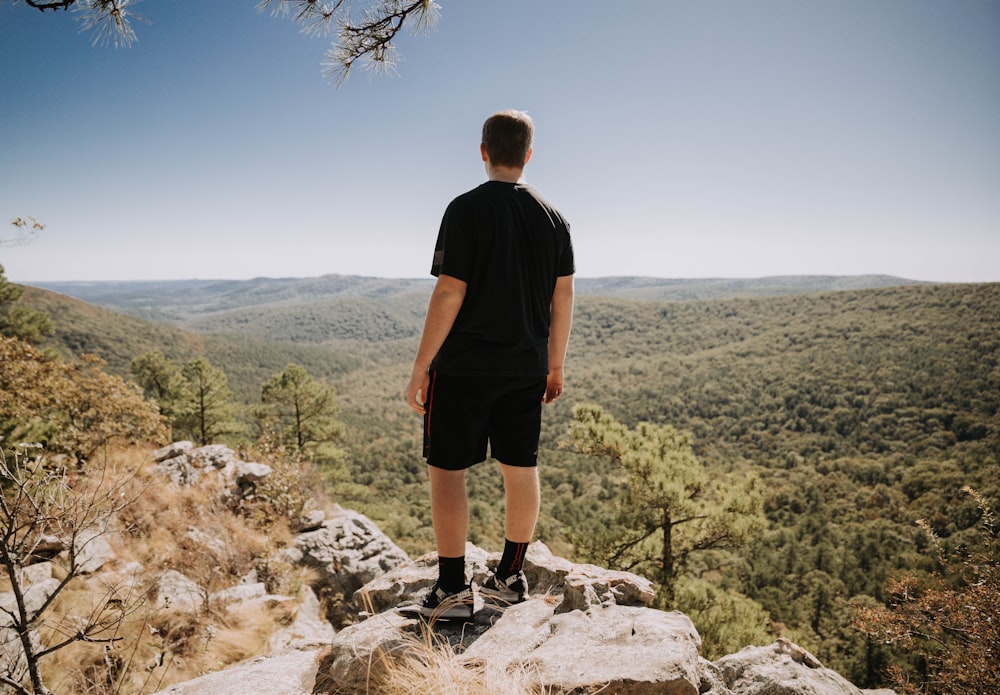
(562, 322)
(446, 300)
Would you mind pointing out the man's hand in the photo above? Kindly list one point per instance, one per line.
(553, 385)
(416, 390)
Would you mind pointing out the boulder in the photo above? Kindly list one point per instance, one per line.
(292, 672)
(212, 543)
(241, 593)
(184, 464)
(34, 596)
(36, 573)
(583, 630)
(212, 456)
(783, 668)
(309, 627)
(627, 650)
(175, 591)
(179, 470)
(46, 548)
(250, 472)
(172, 450)
(348, 550)
(308, 520)
(93, 550)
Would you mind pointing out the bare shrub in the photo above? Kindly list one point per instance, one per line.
(948, 620)
(49, 512)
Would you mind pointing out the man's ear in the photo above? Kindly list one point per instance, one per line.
(527, 157)
(482, 151)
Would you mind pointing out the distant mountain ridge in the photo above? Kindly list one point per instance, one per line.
(175, 300)
(678, 290)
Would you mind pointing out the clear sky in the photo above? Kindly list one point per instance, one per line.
(682, 139)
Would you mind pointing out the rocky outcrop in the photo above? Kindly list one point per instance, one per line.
(185, 465)
(783, 668)
(584, 629)
(347, 550)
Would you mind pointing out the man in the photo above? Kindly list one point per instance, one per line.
(492, 351)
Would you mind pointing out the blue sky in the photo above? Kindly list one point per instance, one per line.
(682, 139)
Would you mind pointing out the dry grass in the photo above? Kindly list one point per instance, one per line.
(192, 530)
(438, 671)
(428, 665)
(425, 663)
(195, 531)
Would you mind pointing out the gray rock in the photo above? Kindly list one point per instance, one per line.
(292, 672)
(604, 646)
(712, 681)
(407, 581)
(12, 661)
(308, 628)
(783, 668)
(93, 550)
(34, 597)
(583, 586)
(212, 456)
(36, 573)
(47, 547)
(243, 477)
(625, 649)
(175, 591)
(348, 550)
(309, 520)
(180, 470)
(241, 593)
(172, 450)
(249, 472)
(361, 653)
(185, 465)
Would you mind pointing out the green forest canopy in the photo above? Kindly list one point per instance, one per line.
(861, 412)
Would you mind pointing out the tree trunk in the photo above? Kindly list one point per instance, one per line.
(667, 561)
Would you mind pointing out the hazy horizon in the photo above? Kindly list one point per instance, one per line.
(431, 279)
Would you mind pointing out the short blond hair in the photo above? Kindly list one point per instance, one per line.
(507, 137)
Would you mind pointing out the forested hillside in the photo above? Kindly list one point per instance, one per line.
(193, 303)
(861, 411)
(118, 339)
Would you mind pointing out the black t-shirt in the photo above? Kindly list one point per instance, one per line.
(509, 245)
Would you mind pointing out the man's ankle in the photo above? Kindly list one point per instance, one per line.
(512, 559)
(451, 574)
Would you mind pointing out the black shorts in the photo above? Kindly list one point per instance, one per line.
(466, 412)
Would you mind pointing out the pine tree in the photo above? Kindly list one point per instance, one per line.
(299, 411)
(205, 406)
(671, 507)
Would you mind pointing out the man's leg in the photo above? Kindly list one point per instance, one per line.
(522, 497)
(450, 516)
(522, 500)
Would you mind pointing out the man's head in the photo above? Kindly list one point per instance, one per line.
(507, 137)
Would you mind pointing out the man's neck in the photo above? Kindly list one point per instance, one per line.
(505, 174)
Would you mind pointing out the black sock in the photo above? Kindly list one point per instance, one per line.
(512, 560)
(451, 573)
